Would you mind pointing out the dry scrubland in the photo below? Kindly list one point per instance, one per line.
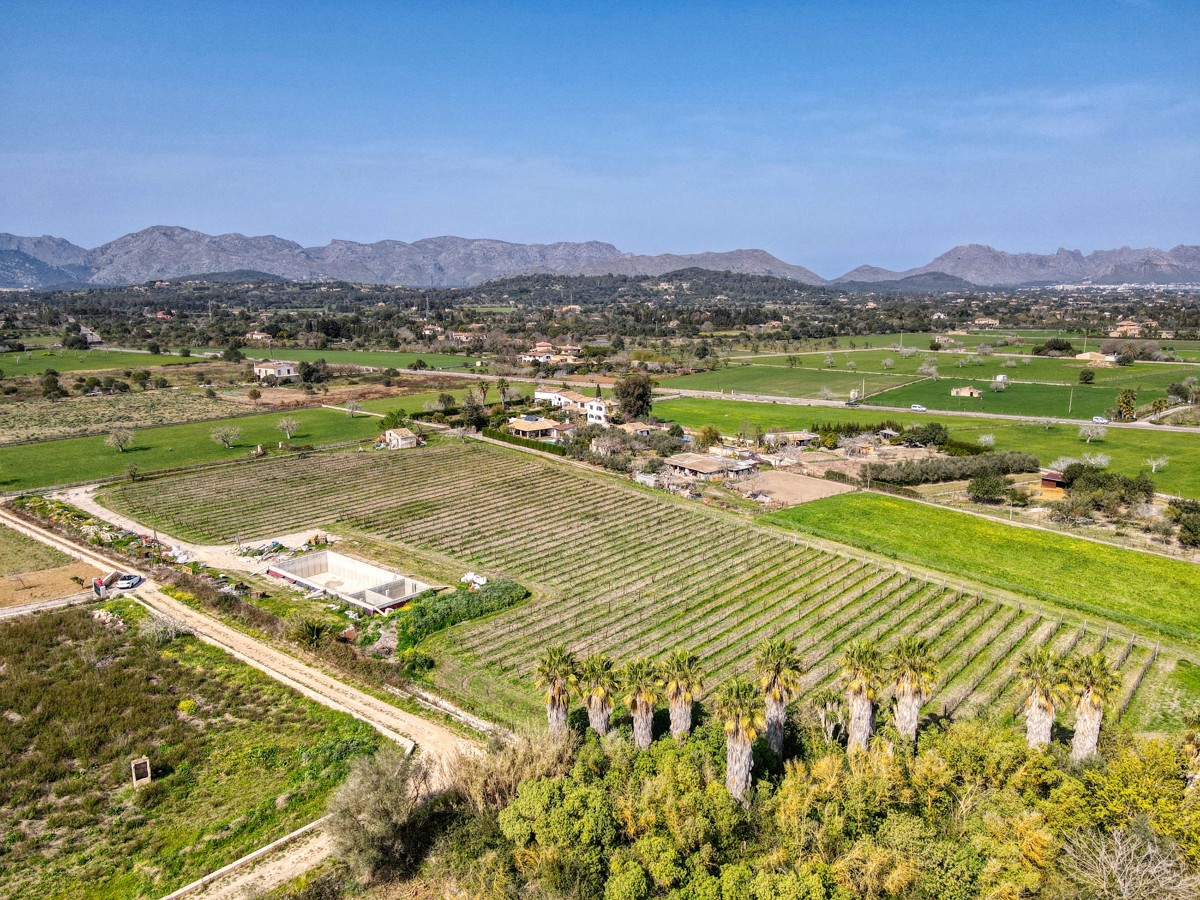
(31, 572)
(622, 570)
(40, 420)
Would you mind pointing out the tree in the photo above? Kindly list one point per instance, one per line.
(226, 435)
(1087, 376)
(1092, 432)
(641, 684)
(379, 815)
(738, 704)
(778, 668)
(352, 408)
(708, 435)
(635, 394)
(556, 672)
(288, 426)
(683, 683)
(987, 487)
(914, 671)
(119, 438)
(1045, 683)
(1157, 462)
(888, 363)
(1126, 862)
(254, 395)
(987, 441)
(597, 685)
(502, 389)
(862, 671)
(482, 387)
(1127, 404)
(831, 713)
(1094, 683)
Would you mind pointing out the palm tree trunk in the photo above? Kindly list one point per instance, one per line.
(598, 713)
(1087, 731)
(738, 762)
(776, 716)
(556, 717)
(908, 714)
(643, 717)
(862, 721)
(1039, 722)
(681, 718)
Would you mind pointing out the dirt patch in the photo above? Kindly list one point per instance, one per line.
(790, 488)
(47, 584)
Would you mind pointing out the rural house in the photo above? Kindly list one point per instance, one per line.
(598, 410)
(281, 371)
(400, 439)
(706, 467)
(966, 391)
(533, 427)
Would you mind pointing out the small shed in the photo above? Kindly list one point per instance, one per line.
(966, 391)
(400, 439)
(1053, 481)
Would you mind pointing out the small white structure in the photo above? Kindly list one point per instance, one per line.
(598, 411)
(400, 439)
(359, 583)
(281, 371)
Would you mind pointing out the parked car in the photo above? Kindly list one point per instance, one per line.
(853, 403)
(125, 582)
(1100, 420)
(917, 407)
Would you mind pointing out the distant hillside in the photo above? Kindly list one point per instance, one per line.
(235, 276)
(20, 270)
(925, 283)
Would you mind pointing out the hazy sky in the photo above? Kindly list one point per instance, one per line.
(830, 134)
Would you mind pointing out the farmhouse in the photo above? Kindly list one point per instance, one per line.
(791, 438)
(400, 439)
(281, 371)
(967, 391)
(705, 467)
(987, 322)
(257, 336)
(598, 411)
(359, 583)
(532, 427)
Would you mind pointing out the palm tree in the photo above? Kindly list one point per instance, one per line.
(1044, 679)
(1094, 682)
(597, 684)
(862, 670)
(739, 705)
(555, 671)
(779, 668)
(831, 711)
(502, 388)
(914, 670)
(641, 684)
(683, 682)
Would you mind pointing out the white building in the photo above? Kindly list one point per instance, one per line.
(400, 439)
(598, 410)
(282, 371)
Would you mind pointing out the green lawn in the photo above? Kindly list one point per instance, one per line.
(1019, 399)
(39, 361)
(1128, 447)
(19, 553)
(1146, 592)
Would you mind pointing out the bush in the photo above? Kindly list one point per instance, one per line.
(1086, 376)
(498, 435)
(988, 487)
(432, 612)
(954, 468)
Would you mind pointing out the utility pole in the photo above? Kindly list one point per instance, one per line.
(1071, 401)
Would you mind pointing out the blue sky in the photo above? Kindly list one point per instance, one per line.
(830, 134)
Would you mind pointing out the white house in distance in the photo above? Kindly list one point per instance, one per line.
(257, 336)
(598, 410)
(282, 371)
(400, 439)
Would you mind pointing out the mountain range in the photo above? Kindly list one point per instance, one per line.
(166, 252)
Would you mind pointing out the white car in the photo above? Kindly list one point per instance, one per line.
(125, 582)
(917, 407)
(1100, 420)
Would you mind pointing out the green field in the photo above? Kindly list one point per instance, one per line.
(799, 382)
(1145, 592)
(35, 362)
(683, 575)
(21, 554)
(1019, 399)
(238, 759)
(1128, 447)
(383, 359)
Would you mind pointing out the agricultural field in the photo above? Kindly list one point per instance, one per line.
(69, 460)
(31, 572)
(1018, 399)
(383, 359)
(40, 420)
(1143, 591)
(805, 383)
(238, 759)
(1129, 448)
(34, 362)
(693, 577)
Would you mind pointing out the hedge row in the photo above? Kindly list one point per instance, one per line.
(495, 434)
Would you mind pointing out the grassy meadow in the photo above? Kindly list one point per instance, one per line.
(384, 359)
(34, 362)
(22, 554)
(1147, 593)
(238, 759)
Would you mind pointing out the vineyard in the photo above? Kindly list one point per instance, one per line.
(623, 570)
